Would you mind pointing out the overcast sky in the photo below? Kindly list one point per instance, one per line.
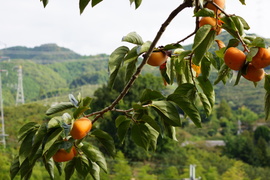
(100, 29)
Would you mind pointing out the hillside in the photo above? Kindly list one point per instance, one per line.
(43, 54)
(52, 71)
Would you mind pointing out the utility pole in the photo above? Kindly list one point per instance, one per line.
(3, 134)
(20, 95)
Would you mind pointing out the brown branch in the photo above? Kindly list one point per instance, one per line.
(174, 13)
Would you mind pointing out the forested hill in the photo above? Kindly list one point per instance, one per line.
(45, 52)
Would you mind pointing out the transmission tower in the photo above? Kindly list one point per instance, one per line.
(2, 130)
(20, 95)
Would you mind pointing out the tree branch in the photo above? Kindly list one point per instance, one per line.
(174, 13)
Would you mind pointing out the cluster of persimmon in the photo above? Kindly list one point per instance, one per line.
(235, 59)
(216, 23)
(159, 58)
(80, 129)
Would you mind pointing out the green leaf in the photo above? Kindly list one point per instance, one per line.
(38, 140)
(52, 138)
(171, 133)
(205, 67)
(49, 165)
(205, 12)
(208, 90)
(132, 55)
(144, 48)
(133, 38)
(239, 75)
(26, 169)
(95, 2)
(94, 155)
(253, 51)
(86, 102)
(26, 146)
(267, 83)
(186, 89)
(53, 149)
(137, 3)
(151, 122)
(82, 166)
(27, 128)
(106, 140)
(70, 168)
(204, 46)
(168, 111)
(14, 168)
(120, 119)
(206, 104)
(223, 74)
(131, 68)
(201, 35)
(150, 95)
(245, 24)
(258, 42)
(267, 105)
(83, 4)
(267, 96)
(59, 167)
(122, 125)
(115, 61)
(55, 122)
(45, 2)
(94, 170)
(153, 136)
(172, 46)
(59, 107)
(233, 43)
(187, 106)
(238, 24)
(140, 135)
(79, 111)
(243, 2)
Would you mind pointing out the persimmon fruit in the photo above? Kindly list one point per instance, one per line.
(262, 58)
(62, 155)
(220, 3)
(254, 74)
(157, 58)
(80, 128)
(216, 23)
(234, 58)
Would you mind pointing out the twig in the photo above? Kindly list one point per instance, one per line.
(174, 13)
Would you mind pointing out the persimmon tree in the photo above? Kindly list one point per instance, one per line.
(189, 69)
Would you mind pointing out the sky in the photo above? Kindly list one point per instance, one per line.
(100, 29)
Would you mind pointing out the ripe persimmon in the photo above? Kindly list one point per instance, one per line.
(220, 3)
(216, 23)
(157, 58)
(62, 155)
(234, 58)
(254, 74)
(80, 128)
(262, 58)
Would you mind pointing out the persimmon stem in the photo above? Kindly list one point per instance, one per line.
(173, 14)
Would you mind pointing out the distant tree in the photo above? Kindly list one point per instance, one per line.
(236, 172)
(224, 110)
(121, 170)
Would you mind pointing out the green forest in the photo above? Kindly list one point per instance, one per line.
(51, 73)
